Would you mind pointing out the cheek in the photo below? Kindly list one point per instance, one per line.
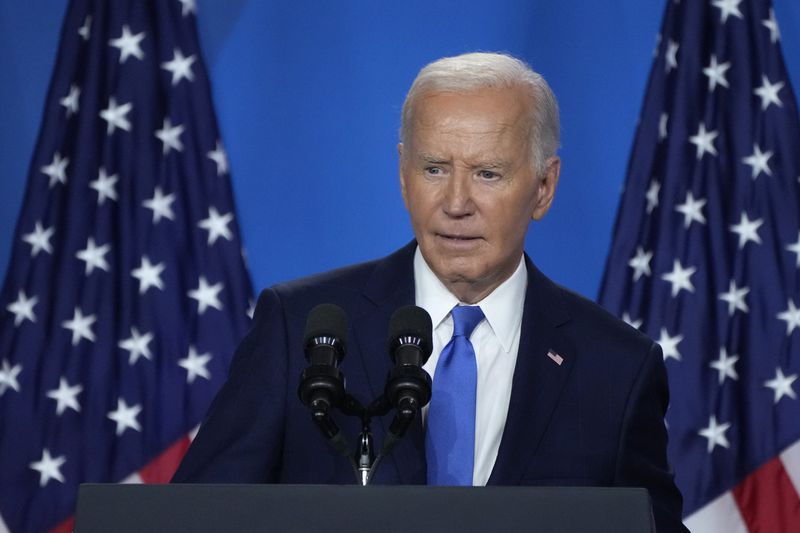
(421, 204)
(509, 223)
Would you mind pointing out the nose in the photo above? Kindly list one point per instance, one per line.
(458, 195)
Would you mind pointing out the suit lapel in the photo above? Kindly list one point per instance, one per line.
(538, 379)
(390, 286)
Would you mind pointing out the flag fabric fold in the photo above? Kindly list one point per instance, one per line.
(127, 289)
(705, 259)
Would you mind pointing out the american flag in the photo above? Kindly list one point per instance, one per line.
(706, 259)
(127, 290)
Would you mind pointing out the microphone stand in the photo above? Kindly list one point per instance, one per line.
(363, 459)
(408, 386)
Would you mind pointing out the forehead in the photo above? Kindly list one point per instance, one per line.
(498, 115)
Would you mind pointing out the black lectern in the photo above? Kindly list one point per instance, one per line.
(301, 508)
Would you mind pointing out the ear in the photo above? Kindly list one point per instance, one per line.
(402, 174)
(547, 188)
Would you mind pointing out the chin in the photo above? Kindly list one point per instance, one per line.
(456, 271)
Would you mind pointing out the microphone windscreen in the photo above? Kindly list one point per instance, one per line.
(411, 321)
(326, 320)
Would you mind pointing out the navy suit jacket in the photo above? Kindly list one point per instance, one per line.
(594, 420)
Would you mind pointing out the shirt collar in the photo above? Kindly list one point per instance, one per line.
(502, 307)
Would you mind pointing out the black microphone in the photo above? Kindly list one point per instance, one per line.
(322, 384)
(408, 388)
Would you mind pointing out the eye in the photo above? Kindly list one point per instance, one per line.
(434, 171)
(488, 175)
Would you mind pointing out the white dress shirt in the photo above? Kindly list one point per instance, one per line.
(496, 342)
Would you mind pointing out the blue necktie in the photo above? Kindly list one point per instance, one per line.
(450, 439)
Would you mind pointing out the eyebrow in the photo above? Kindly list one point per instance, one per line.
(430, 158)
(437, 160)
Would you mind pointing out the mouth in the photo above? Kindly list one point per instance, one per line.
(456, 239)
(457, 236)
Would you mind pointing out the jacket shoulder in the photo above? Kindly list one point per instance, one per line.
(597, 322)
(347, 286)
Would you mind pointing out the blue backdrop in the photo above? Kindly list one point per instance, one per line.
(308, 96)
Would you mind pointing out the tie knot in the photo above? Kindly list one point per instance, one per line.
(465, 318)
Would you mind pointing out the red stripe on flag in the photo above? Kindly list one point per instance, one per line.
(768, 500)
(64, 527)
(161, 469)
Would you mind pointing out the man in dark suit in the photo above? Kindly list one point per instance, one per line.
(558, 391)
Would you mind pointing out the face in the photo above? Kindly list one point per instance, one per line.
(468, 181)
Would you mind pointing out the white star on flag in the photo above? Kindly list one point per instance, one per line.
(49, 468)
(218, 156)
(149, 275)
(81, 326)
(735, 298)
(716, 73)
(116, 116)
(161, 205)
(188, 6)
(22, 308)
(626, 317)
(206, 295)
(768, 93)
(679, 277)
(782, 385)
(86, 30)
(652, 196)
(216, 225)
(94, 256)
(125, 416)
(671, 57)
(137, 345)
(195, 365)
(128, 44)
(180, 66)
(759, 161)
(39, 239)
(662, 126)
(791, 316)
(669, 345)
(692, 210)
(104, 185)
(772, 25)
(57, 169)
(66, 396)
(724, 365)
(70, 102)
(704, 141)
(795, 249)
(170, 136)
(640, 263)
(715, 433)
(747, 230)
(8, 376)
(727, 8)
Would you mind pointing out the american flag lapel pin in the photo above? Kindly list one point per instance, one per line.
(557, 359)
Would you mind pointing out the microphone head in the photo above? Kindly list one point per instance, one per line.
(411, 325)
(326, 320)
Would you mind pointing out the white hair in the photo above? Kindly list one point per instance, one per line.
(471, 72)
